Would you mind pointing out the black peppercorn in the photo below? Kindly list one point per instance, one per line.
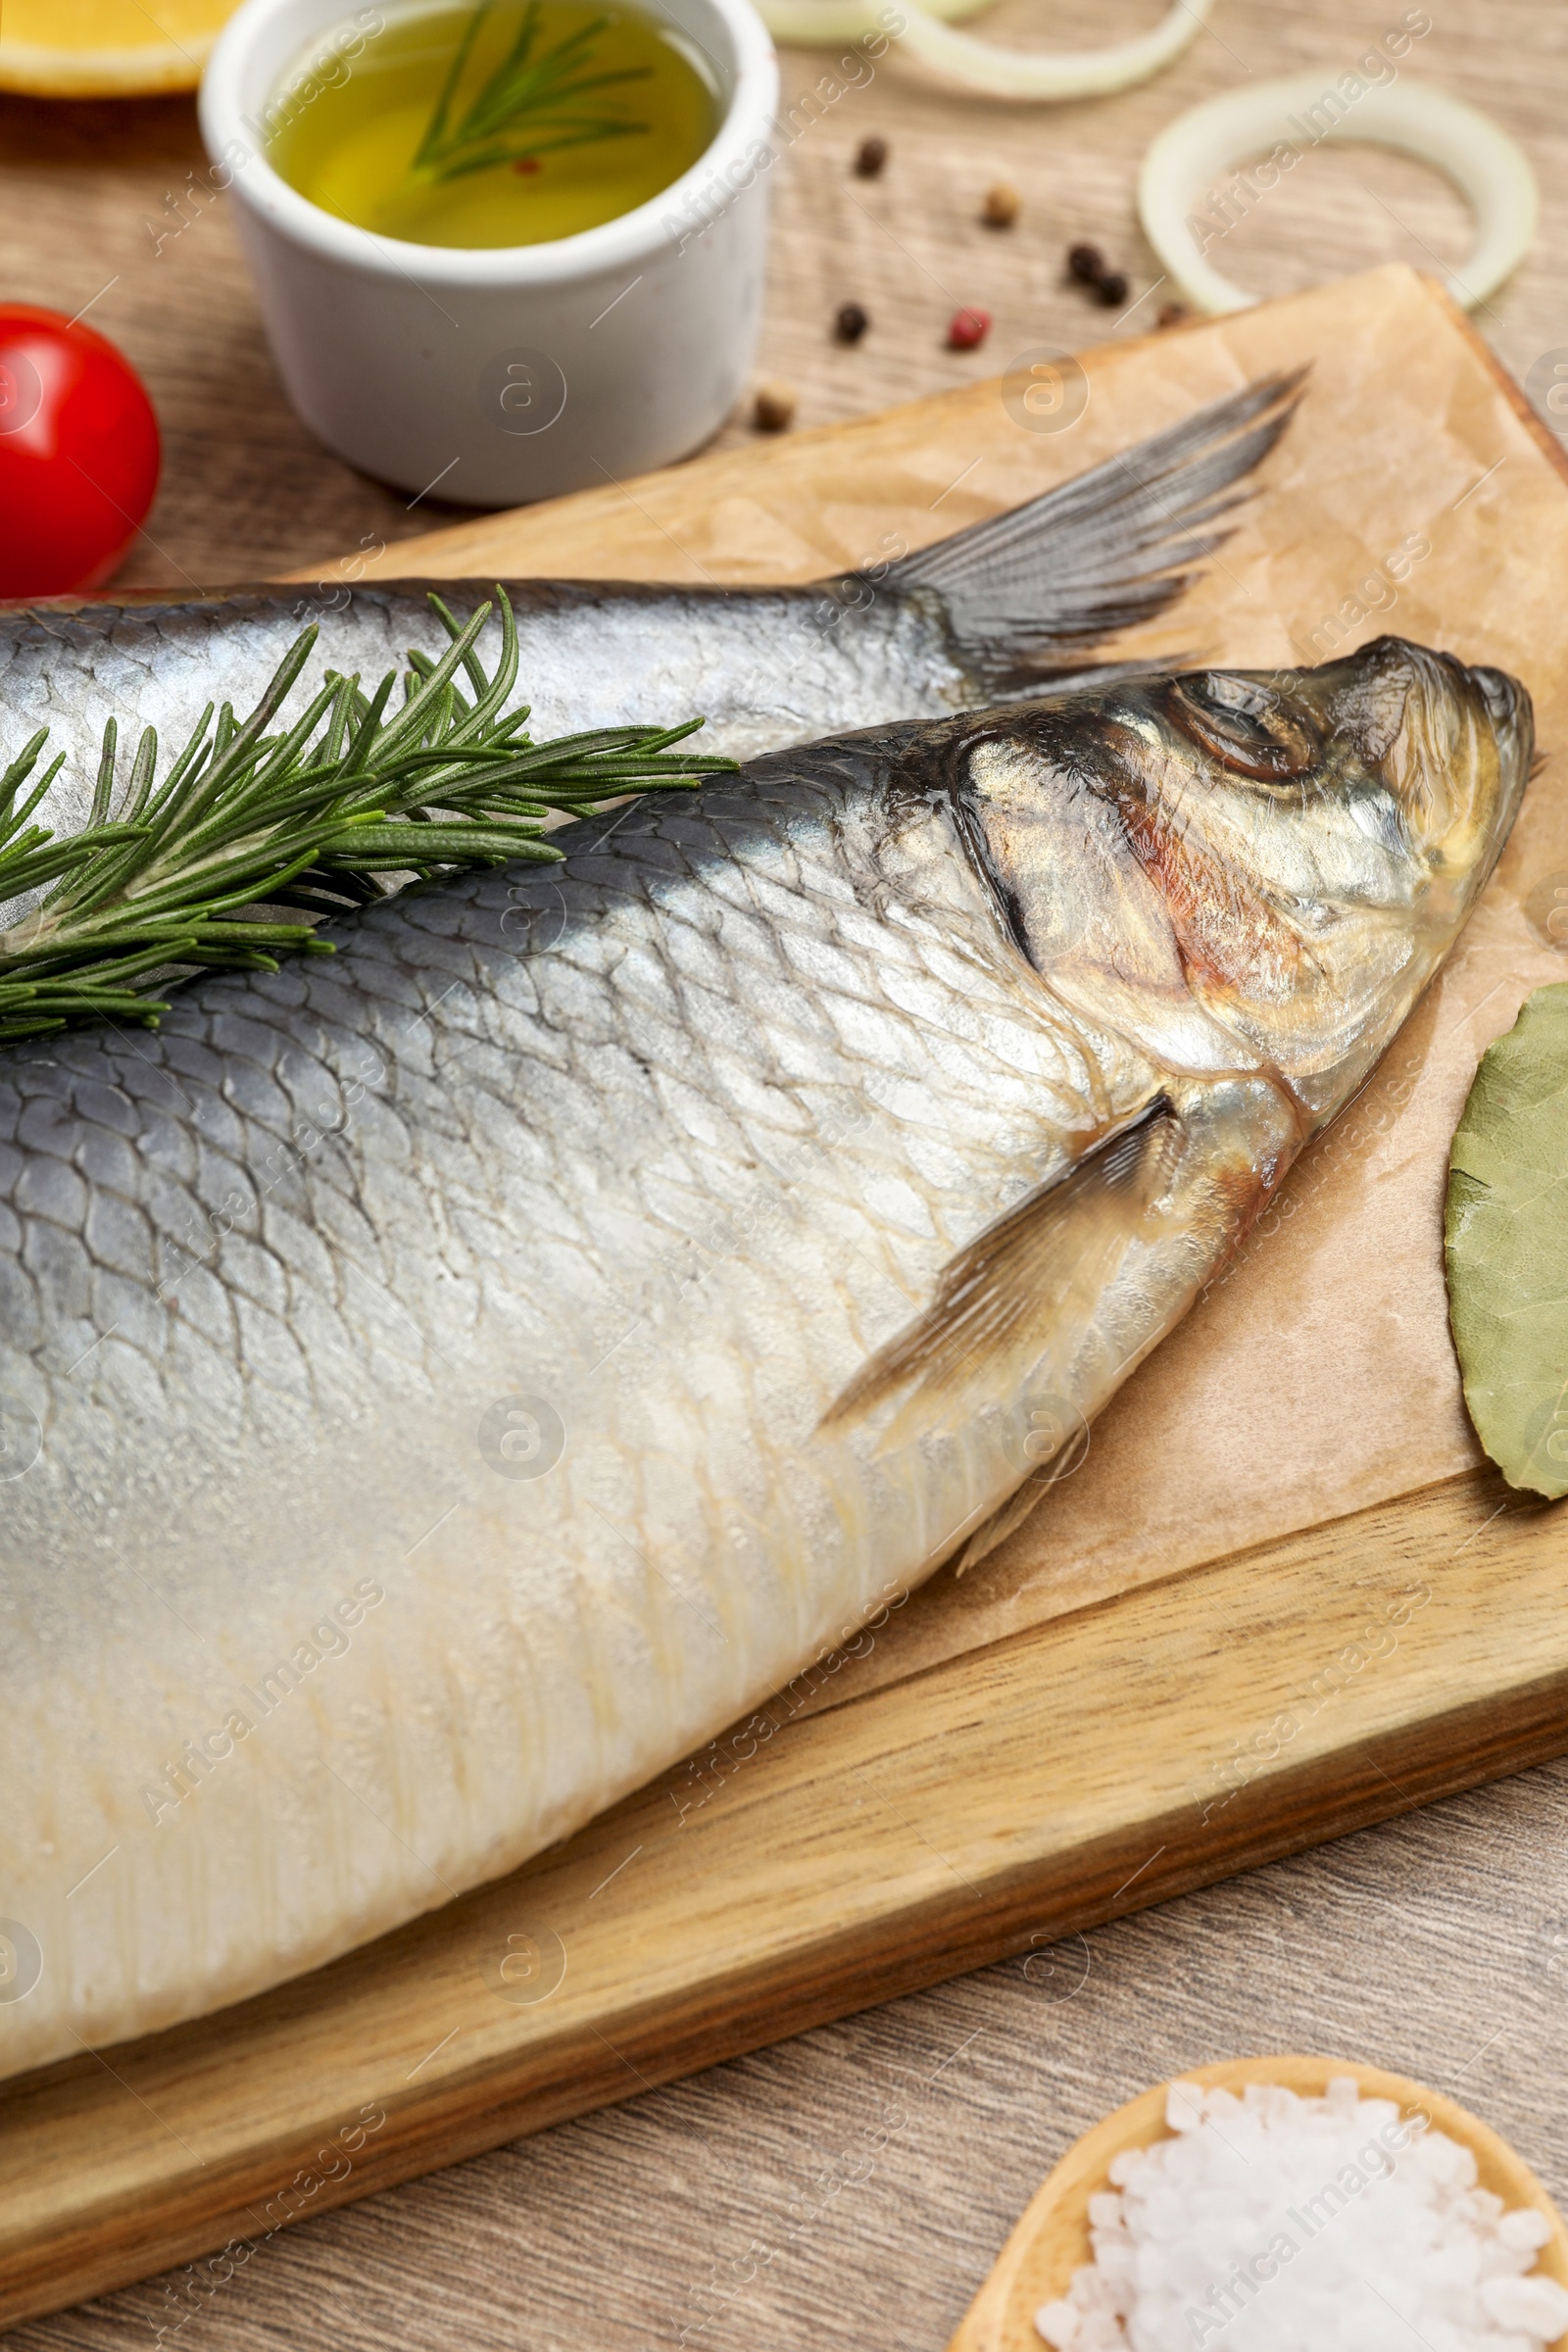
(1111, 287)
(1087, 263)
(849, 321)
(774, 408)
(869, 158)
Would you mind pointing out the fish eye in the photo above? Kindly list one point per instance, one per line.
(1243, 722)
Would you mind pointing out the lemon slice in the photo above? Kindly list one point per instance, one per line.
(107, 48)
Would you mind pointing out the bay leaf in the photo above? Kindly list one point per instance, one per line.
(1505, 1244)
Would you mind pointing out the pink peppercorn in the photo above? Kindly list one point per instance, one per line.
(968, 328)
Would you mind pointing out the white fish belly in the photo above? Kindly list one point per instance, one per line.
(426, 1350)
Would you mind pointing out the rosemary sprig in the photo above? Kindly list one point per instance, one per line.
(529, 106)
(310, 818)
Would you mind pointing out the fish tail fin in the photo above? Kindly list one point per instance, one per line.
(1026, 593)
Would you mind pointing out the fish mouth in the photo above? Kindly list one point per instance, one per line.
(1506, 699)
(1452, 742)
(1512, 716)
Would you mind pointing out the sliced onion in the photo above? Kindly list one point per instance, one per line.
(1489, 168)
(813, 23)
(1037, 74)
(975, 65)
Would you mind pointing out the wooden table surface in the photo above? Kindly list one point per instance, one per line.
(851, 2188)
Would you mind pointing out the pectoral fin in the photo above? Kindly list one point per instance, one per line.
(1023, 1290)
(996, 1530)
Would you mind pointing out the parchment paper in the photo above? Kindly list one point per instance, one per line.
(1317, 1377)
(1414, 493)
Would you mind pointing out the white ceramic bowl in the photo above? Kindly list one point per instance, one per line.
(495, 377)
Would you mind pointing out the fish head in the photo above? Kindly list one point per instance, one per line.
(1252, 868)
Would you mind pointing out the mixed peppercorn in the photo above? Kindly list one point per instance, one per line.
(774, 404)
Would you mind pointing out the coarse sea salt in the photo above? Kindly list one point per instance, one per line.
(1276, 2224)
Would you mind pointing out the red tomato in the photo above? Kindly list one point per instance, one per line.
(79, 454)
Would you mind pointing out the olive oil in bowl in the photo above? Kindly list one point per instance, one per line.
(508, 123)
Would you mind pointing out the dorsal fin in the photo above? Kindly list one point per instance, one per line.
(1027, 592)
(1023, 1289)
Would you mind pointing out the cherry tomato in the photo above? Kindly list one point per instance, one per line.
(79, 454)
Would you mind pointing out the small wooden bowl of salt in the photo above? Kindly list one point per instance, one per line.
(1026, 2302)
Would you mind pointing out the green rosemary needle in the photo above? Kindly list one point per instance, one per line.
(311, 819)
(530, 105)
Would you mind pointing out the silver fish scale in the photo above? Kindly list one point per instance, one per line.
(670, 1137)
(764, 669)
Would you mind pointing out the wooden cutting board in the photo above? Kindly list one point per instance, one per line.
(1291, 1604)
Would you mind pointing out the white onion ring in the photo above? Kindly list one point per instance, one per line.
(975, 65)
(813, 24)
(1488, 167)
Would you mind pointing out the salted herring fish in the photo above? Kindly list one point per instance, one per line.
(444, 1383)
(1009, 605)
